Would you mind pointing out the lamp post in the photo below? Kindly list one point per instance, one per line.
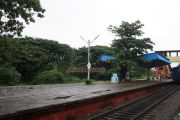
(89, 64)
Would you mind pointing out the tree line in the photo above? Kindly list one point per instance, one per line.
(36, 61)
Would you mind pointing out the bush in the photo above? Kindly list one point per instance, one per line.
(9, 75)
(72, 79)
(49, 77)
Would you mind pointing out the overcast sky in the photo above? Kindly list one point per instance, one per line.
(66, 20)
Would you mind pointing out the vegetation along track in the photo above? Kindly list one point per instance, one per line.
(135, 109)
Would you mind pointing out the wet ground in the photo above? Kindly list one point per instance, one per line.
(19, 98)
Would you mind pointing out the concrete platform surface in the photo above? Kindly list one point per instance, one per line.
(20, 98)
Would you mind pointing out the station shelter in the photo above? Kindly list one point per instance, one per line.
(158, 61)
(165, 71)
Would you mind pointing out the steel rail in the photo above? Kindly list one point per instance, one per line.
(131, 110)
(155, 104)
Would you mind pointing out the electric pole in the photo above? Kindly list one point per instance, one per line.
(89, 64)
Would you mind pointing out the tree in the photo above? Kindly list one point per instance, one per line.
(30, 56)
(80, 60)
(14, 13)
(80, 57)
(129, 45)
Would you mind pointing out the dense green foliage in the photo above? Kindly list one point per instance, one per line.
(9, 75)
(95, 53)
(49, 77)
(40, 61)
(31, 56)
(129, 45)
(14, 13)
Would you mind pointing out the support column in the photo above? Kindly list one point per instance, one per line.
(169, 54)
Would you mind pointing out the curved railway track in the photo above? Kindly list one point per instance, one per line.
(135, 109)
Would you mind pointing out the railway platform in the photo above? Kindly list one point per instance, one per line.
(62, 101)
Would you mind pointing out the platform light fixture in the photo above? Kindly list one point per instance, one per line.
(89, 64)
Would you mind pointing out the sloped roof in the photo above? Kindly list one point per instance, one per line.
(155, 60)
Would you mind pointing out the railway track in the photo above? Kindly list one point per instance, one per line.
(135, 109)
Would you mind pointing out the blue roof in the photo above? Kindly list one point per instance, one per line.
(106, 58)
(155, 60)
(155, 56)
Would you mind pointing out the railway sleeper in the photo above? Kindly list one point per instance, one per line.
(117, 118)
(121, 116)
(125, 113)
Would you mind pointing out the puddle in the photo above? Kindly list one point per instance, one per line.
(31, 88)
(107, 90)
(100, 91)
(64, 97)
(97, 92)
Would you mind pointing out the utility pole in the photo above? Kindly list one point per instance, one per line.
(89, 64)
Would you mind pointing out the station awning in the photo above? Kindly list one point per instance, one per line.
(154, 60)
(106, 58)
